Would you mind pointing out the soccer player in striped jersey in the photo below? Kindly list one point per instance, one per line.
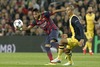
(77, 38)
(44, 21)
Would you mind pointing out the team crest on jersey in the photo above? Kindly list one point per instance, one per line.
(43, 24)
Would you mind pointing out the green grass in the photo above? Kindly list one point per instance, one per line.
(39, 59)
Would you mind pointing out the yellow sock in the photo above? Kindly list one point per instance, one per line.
(69, 54)
(60, 51)
(90, 46)
(85, 46)
(69, 57)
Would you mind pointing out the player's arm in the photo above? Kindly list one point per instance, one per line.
(95, 22)
(58, 10)
(47, 14)
(27, 28)
(30, 26)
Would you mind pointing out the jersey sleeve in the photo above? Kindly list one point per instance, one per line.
(33, 23)
(47, 14)
(79, 27)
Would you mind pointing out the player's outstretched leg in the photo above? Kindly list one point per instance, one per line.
(60, 51)
(49, 54)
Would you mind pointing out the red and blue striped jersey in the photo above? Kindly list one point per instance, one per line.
(45, 22)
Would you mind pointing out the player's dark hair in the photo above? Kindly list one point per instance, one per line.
(35, 10)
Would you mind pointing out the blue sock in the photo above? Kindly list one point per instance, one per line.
(49, 53)
(47, 49)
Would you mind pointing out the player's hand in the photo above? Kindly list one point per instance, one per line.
(64, 36)
(81, 42)
(20, 29)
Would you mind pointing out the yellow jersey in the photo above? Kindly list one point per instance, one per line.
(90, 22)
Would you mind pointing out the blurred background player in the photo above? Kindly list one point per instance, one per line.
(90, 19)
(77, 38)
(44, 21)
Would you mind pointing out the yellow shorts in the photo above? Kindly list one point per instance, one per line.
(89, 35)
(72, 42)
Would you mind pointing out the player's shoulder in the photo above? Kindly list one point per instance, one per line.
(74, 17)
(93, 14)
(45, 12)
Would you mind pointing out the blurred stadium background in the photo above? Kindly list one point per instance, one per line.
(12, 41)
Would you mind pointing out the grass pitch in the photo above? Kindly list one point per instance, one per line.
(39, 59)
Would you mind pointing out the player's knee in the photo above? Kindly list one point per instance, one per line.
(52, 41)
(54, 44)
(63, 41)
(47, 45)
(64, 36)
(90, 40)
(68, 51)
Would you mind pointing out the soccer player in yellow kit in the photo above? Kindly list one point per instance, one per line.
(77, 38)
(90, 17)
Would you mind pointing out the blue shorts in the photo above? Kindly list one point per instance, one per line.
(52, 36)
